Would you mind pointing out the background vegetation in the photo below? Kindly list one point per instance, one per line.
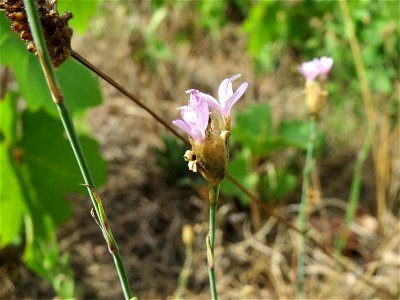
(159, 49)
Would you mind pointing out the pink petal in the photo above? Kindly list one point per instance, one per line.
(234, 98)
(225, 91)
(325, 65)
(203, 115)
(189, 116)
(195, 97)
(211, 101)
(182, 125)
(310, 69)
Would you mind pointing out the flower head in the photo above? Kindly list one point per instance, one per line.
(310, 69)
(316, 67)
(227, 98)
(209, 137)
(194, 117)
(325, 65)
(315, 92)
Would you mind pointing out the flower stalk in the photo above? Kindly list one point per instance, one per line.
(315, 98)
(209, 133)
(45, 61)
(213, 198)
(303, 206)
(183, 279)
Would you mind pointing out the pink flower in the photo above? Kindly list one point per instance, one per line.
(325, 65)
(316, 67)
(310, 69)
(194, 116)
(226, 96)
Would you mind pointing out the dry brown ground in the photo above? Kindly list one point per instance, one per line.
(147, 214)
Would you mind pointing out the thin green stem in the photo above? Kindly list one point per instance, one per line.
(213, 196)
(341, 241)
(122, 276)
(185, 274)
(58, 98)
(303, 206)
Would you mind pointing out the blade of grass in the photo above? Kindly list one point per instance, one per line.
(354, 196)
(58, 98)
(369, 104)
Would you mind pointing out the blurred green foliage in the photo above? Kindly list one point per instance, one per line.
(148, 49)
(82, 11)
(303, 29)
(315, 28)
(37, 164)
(254, 141)
(212, 15)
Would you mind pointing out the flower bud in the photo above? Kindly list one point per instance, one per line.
(209, 131)
(315, 97)
(212, 156)
(187, 235)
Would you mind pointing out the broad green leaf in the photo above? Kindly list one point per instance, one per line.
(11, 197)
(11, 47)
(277, 185)
(295, 133)
(42, 255)
(253, 129)
(240, 169)
(51, 163)
(82, 11)
(81, 89)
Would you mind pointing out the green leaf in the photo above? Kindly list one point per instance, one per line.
(51, 162)
(82, 11)
(42, 255)
(253, 129)
(81, 89)
(11, 198)
(240, 169)
(11, 47)
(277, 185)
(295, 133)
(45, 171)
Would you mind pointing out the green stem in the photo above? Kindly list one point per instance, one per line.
(213, 196)
(185, 274)
(303, 206)
(58, 98)
(341, 241)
